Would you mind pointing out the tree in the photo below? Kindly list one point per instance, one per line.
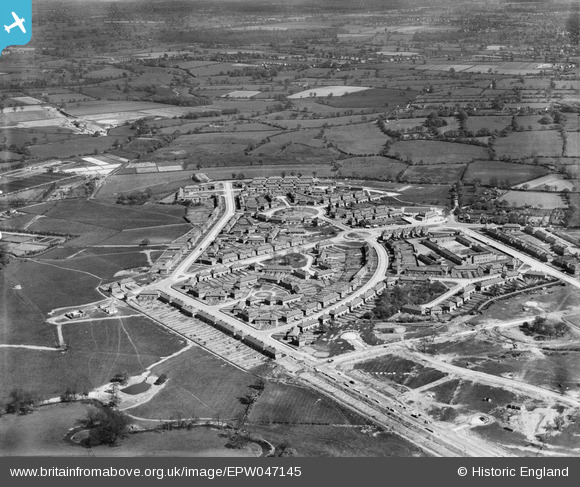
(110, 426)
(21, 401)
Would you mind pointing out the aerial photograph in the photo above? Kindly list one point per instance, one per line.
(290, 228)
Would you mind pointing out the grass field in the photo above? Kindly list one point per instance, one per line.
(225, 149)
(547, 201)
(299, 405)
(104, 265)
(21, 320)
(158, 235)
(435, 152)
(373, 98)
(116, 217)
(97, 351)
(357, 139)
(42, 434)
(573, 145)
(375, 167)
(200, 384)
(438, 173)
(158, 182)
(336, 441)
(30, 182)
(327, 91)
(485, 171)
(45, 287)
(527, 144)
(77, 146)
(491, 123)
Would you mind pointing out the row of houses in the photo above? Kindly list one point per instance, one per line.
(520, 244)
(221, 325)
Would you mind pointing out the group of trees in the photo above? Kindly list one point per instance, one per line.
(106, 426)
(542, 327)
(392, 300)
(135, 198)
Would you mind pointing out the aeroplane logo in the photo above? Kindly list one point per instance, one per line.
(17, 23)
(16, 17)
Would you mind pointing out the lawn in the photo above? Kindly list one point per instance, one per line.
(485, 171)
(435, 152)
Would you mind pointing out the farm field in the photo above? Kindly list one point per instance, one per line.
(78, 146)
(373, 167)
(373, 98)
(437, 173)
(10, 186)
(547, 201)
(435, 152)
(573, 145)
(359, 139)
(527, 144)
(486, 171)
(490, 123)
(328, 91)
(208, 149)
